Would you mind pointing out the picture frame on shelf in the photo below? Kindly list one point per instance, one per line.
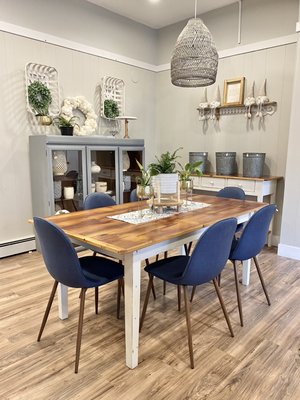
(234, 92)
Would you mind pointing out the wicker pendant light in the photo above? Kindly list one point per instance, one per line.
(194, 61)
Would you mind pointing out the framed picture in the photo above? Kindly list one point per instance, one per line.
(234, 92)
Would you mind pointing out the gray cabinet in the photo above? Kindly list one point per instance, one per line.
(62, 174)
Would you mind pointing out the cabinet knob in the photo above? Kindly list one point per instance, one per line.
(240, 185)
(212, 183)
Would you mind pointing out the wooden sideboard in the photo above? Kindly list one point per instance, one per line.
(257, 187)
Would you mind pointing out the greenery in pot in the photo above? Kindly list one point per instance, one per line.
(63, 122)
(111, 109)
(39, 98)
(189, 169)
(145, 178)
(166, 163)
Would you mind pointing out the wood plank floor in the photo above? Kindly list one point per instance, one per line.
(261, 362)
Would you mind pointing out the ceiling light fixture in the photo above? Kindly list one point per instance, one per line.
(194, 61)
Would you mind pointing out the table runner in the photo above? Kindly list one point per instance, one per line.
(147, 215)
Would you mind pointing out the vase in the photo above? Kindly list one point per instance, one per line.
(59, 162)
(166, 183)
(95, 168)
(68, 192)
(44, 119)
(126, 161)
(186, 189)
(144, 193)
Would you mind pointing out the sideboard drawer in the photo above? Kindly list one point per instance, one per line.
(208, 182)
(196, 181)
(246, 184)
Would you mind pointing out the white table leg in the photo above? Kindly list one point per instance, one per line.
(62, 301)
(132, 309)
(246, 272)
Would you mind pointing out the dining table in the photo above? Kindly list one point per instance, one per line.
(126, 233)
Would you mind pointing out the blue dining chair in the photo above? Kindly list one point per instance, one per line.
(233, 192)
(228, 192)
(204, 265)
(249, 245)
(97, 200)
(65, 267)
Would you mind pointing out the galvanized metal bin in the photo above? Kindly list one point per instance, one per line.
(195, 156)
(253, 164)
(225, 163)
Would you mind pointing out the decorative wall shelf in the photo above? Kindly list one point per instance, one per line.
(49, 77)
(267, 109)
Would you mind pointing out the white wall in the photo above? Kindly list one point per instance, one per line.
(83, 22)
(290, 233)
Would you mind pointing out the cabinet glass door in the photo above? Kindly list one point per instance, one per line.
(129, 170)
(102, 167)
(68, 178)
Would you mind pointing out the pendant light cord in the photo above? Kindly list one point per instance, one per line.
(195, 9)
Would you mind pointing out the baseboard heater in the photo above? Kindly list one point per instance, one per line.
(17, 246)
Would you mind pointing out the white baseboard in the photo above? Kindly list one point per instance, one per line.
(17, 247)
(289, 251)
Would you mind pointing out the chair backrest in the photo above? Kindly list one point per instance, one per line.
(133, 195)
(211, 253)
(59, 254)
(97, 200)
(254, 235)
(232, 192)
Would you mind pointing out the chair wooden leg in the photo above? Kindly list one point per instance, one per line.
(80, 325)
(165, 283)
(219, 280)
(120, 285)
(237, 287)
(193, 293)
(262, 280)
(223, 306)
(187, 248)
(96, 299)
(157, 257)
(179, 297)
(188, 324)
(47, 311)
(150, 283)
(94, 253)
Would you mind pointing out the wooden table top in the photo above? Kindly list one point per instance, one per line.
(94, 228)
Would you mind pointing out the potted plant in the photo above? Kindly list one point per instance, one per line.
(66, 125)
(111, 109)
(189, 169)
(186, 183)
(39, 99)
(164, 172)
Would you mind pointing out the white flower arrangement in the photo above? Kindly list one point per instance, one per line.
(80, 103)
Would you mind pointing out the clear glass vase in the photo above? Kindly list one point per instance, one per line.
(186, 189)
(144, 193)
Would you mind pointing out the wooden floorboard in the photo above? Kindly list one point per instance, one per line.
(261, 362)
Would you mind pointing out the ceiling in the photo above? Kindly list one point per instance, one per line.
(159, 13)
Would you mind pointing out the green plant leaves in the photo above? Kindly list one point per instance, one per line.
(111, 109)
(39, 97)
